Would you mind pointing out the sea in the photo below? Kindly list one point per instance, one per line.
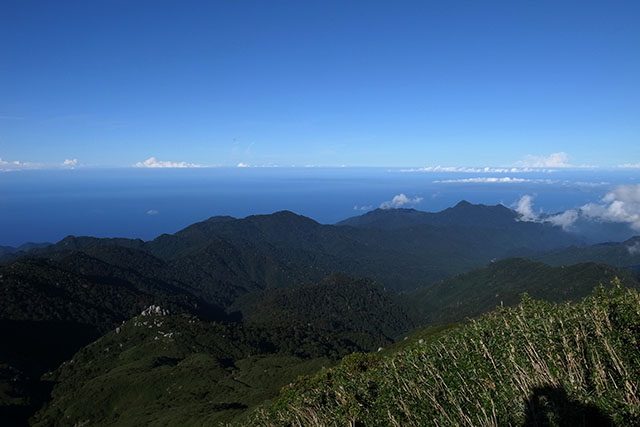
(47, 205)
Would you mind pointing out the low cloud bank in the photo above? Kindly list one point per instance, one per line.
(621, 205)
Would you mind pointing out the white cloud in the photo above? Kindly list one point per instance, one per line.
(243, 165)
(70, 163)
(634, 249)
(400, 200)
(524, 207)
(553, 160)
(620, 205)
(630, 166)
(152, 162)
(152, 212)
(565, 219)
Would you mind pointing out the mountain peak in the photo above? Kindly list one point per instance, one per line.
(464, 213)
(284, 215)
(221, 218)
(463, 203)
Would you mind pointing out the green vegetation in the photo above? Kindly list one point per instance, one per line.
(254, 303)
(535, 364)
(223, 258)
(169, 370)
(471, 294)
(177, 369)
(357, 313)
(624, 254)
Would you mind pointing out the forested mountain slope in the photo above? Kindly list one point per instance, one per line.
(404, 249)
(503, 282)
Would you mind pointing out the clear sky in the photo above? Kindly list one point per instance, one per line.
(361, 83)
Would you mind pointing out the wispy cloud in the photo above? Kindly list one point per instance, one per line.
(362, 208)
(153, 212)
(553, 160)
(630, 166)
(17, 165)
(517, 180)
(483, 180)
(491, 180)
(70, 163)
(399, 201)
(634, 249)
(464, 169)
(586, 184)
(153, 162)
(243, 165)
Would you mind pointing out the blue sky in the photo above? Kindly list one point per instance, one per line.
(359, 83)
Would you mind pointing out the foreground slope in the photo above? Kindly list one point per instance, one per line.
(535, 364)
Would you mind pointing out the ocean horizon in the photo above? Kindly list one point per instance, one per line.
(47, 205)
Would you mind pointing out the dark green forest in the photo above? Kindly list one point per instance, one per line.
(279, 320)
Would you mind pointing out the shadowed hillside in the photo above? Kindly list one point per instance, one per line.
(502, 283)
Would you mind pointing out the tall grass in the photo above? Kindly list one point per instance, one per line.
(537, 363)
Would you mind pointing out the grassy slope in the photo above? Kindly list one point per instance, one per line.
(535, 363)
